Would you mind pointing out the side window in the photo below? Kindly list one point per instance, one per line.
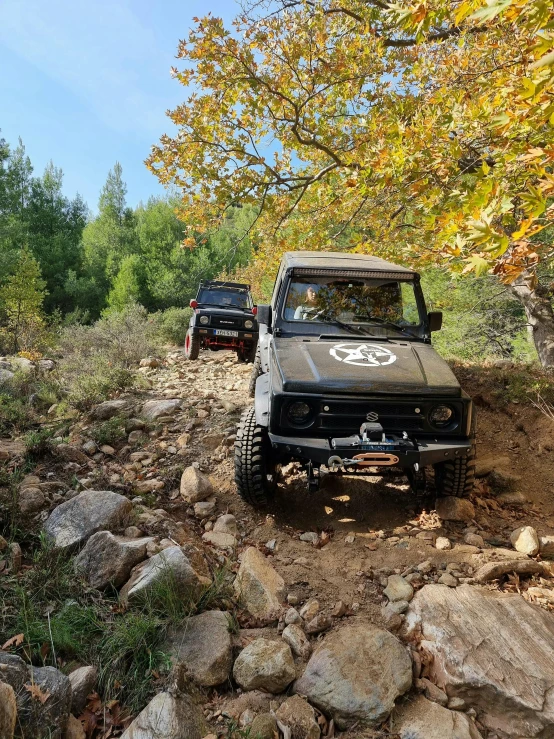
(410, 313)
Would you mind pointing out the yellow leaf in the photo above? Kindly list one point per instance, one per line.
(15, 641)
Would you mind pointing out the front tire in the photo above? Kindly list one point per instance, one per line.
(192, 345)
(456, 477)
(255, 471)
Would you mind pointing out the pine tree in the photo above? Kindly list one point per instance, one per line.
(21, 301)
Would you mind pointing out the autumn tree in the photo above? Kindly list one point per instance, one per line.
(428, 127)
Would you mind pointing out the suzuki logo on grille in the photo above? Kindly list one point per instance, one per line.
(372, 416)
(227, 323)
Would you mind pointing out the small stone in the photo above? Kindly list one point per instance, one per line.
(148, 486)
(432, 691)
(448, 579)
(310, 609)
(8, 711)
(90, 447)
(107, 449)
(475, 540)
(3, 544)
(396, 607)
(299, 716)
(320, 623)
(246, 717)
(150, 362)
(195, 486)
(31, 500)
(264, 726)
(525, 540)
(108, 560)
(259, 586)
(293, 617)
(451, 508)
(292, 599)
(310, 536)
(204, 508)
(219, 540)
(226, 524)
(398, 589)
(456, 704)
(168, 716)
(442, 543)
(339, 610)
(297, 641)
(133, 532)
(82, 682)
(134, 437)
(546, 544)
(515, 499)
(154, 409)
(265, 665)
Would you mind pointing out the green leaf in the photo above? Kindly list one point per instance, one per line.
(544, 61)
(490, 11)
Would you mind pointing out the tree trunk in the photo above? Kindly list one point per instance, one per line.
(540, 316)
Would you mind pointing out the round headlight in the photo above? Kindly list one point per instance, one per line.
(299, 412)
(204, 320)
(441, 415)
(248, 324)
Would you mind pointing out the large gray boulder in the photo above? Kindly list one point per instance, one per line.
(5, 376)
(107, 559)
(204, 647)
(73, 522)
(492, 649)
(8, 711)
(356, 675)
(259, 586)
(110, 408)
(40, 719)
(265, 665)
(419, 718)
(154, 409)
(168, 716)
(170, 565)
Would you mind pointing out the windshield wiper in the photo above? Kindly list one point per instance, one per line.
(346, 326)
(382, 322)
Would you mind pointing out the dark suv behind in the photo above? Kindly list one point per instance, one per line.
(224, 317)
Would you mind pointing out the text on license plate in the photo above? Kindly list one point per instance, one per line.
(224, 332)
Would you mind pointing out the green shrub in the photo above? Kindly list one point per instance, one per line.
(14, 414)
(109, 432)
(173, 324)
(39, 441)
(99, 360)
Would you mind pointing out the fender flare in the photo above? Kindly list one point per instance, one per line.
(262, 400)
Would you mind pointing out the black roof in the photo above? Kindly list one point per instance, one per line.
(340, 261)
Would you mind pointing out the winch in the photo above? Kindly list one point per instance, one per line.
(376, 449)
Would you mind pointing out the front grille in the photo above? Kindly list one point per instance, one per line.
(344, 416)
(224, 322)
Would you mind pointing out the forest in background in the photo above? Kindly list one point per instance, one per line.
(60, 264)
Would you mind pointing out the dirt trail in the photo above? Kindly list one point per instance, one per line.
(369, 527)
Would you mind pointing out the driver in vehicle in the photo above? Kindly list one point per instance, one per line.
(307, 309)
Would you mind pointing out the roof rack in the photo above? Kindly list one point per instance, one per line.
(230, 285)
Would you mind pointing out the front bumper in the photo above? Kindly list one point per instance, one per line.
(210, 336)
(320, 452)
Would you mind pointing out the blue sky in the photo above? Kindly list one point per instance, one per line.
(87, 84)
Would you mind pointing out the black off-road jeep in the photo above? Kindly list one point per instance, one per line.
(345, 378)
(224, 317)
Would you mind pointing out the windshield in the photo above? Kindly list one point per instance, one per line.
(367, 305)
(227, 298)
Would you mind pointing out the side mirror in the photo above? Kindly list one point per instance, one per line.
(264, 315)
(435, 320)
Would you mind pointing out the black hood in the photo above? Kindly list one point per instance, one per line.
(362, 365)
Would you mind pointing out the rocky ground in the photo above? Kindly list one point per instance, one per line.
(351, 611)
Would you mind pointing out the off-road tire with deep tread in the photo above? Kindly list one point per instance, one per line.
(192, 345)
(456, 477)
(255, 475)
(256, 372)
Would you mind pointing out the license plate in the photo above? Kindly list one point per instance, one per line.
(224, 332)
